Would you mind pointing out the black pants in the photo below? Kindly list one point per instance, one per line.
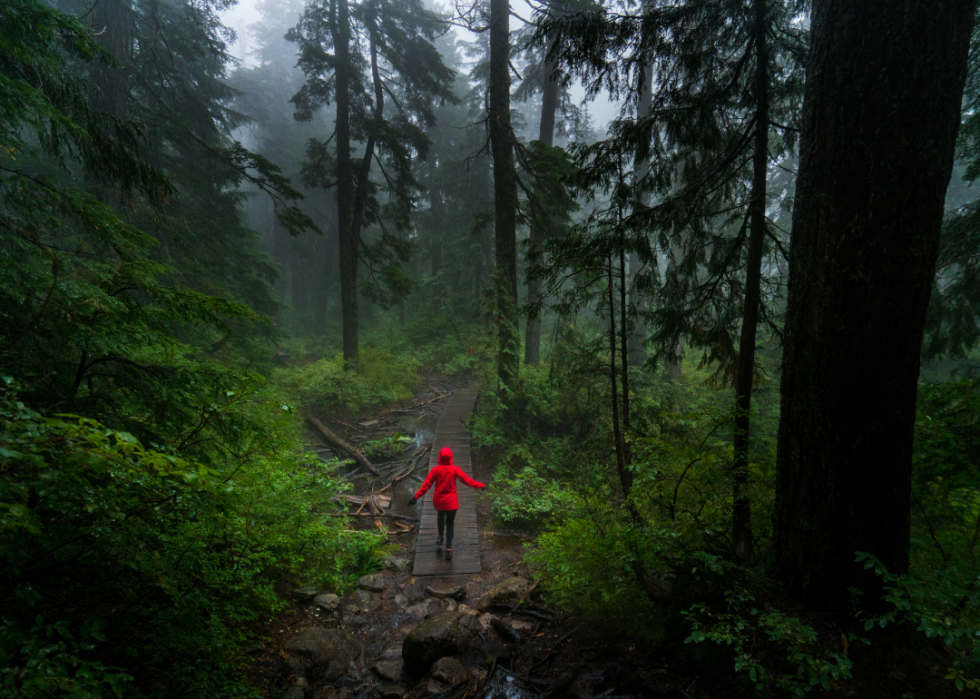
(445, 519)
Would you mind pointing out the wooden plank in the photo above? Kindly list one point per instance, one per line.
(451, 432)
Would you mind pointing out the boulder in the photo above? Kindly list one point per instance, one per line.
(372, 583)
(444, 673)
(447, 605)
(401, 600)
(448, 671)
(418, 612)
(505, 594)
(392, 691)
(352, 619)
(399, 564)
(304, 594)
(449, 633)
(328, 650)
(365, 602)
(327, 602)
(456, 592)
(389, 670)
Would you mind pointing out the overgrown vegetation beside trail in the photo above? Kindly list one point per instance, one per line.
(559, 483)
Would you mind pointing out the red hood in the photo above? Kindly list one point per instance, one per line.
(446, 456)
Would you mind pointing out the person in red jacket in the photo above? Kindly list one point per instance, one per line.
(444, 476)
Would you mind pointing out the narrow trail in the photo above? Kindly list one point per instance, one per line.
(451, 432)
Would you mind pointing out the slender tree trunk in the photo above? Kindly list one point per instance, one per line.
(349, 244)
(436, 213)
(637, 336)
(745, 369)
(112, 25)
(504, 191)
(880, 120)
(546, 134)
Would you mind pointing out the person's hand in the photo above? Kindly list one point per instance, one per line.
(411, 503)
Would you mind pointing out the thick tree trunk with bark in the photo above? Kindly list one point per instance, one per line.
(881, 115)
(504, 192)
(546, 134)
(345, 191)
(745, 369)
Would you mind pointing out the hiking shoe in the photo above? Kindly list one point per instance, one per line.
(439, 541)
(449, 554)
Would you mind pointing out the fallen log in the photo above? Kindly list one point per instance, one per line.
(369, 514)
(341, 444)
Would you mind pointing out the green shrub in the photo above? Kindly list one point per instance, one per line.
(129, 570)
(384, 379)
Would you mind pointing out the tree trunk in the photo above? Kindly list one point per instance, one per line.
(546, 134)
(504, 192)
(349, 243)
(881, 115)
(745, 368)
(637, 336)
(112, 26)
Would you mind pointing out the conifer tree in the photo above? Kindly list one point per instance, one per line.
(376, 63)
(881, 114)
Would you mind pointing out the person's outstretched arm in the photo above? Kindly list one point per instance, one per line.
(425, 486)
(467, 480)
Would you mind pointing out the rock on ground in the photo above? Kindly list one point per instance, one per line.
(304, 594)
(505, 594)
(327, 602)
(293, 693)
(366, 602)
(372, 583)
(392, 691)
(456, 592)
(330, 651)
(399, 564)
(389, 670)
(448, 671)
(449, 633)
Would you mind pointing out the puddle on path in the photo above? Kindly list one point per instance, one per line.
(421, 427)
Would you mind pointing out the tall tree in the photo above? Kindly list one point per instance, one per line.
(360, 58)
(881, 115)
(701, 157)
(505, 192)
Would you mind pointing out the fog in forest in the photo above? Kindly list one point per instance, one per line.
(381, 349)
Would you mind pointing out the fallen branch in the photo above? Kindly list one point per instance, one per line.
(412, 407)
(341, 444)
(369, 514)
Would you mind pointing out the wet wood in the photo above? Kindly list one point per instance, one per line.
(451, 431)
(342, 445)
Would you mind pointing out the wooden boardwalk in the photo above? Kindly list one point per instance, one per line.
(452, 433)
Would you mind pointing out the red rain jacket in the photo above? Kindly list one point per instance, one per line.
(444, 476)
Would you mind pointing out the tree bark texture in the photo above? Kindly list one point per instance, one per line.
(546, 134)
(881, 115)
(504, 192)
(745, 367)
(345, 191)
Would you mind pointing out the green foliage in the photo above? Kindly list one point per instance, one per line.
(942, 603)
(176, 556)
(384, 378)
(804, 660)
